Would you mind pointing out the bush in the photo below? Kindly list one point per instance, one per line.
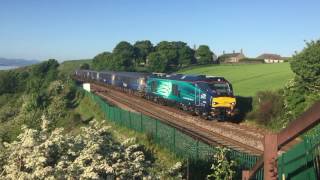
(304, 90)
(93, 154)
(223, 168)
(269, 106)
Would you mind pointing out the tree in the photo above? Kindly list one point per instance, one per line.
(102, 61)
(85, 66)
(42, 74)
(124, 47)
(306, 65)
(8, 81)
(121, 62)
(302, 91)
(157, 62)
(169, 51)
(204, 55)
(123, 56)
(186, 56)
(142, 50)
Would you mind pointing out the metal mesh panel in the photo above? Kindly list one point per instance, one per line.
(149, 125)
(184, 145)
(136, 121)
(165, 135)
(205, 151)
(125, 118)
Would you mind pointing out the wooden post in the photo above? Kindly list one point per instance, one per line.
(245, 175)
(270, 156)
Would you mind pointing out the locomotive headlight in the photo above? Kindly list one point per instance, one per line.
(233, 103)
(215, 103)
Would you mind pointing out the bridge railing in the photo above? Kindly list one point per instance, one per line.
(289, 164)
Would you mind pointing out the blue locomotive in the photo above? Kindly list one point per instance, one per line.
(207, 96)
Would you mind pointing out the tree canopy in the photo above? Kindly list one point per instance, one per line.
(302, 91)
(102, 61)
(186, 56)
(306, 65)
(142, 50)
(8, 81)
(204, 55)
(175, 54)
(157, 62)
(85, 66)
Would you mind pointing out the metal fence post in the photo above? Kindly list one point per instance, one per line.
(109, 113)
(156, 130)
(105, 111)
(174, 139)
(197, 150)
(120, 116)
(130, 124)
(141, 128)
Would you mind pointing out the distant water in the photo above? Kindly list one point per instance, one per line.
(7, 67)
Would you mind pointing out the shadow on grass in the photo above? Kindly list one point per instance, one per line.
(87, 120)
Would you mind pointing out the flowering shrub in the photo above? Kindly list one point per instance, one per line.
(93, 154)
(222, 167)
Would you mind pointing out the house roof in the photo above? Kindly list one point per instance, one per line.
(231, 55)
(269, 56)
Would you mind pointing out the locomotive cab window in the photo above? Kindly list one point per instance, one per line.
(175, 90)
(154, 86)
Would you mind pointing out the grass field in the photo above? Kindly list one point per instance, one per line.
(247, 79)
(68, 67)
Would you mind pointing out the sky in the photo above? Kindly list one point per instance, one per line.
(80, 29)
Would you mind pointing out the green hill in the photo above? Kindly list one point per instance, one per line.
(247, 79)
(68, 67)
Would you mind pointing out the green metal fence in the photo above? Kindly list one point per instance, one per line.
(303, 160)
(169, 137)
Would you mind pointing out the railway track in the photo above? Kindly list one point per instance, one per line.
(214, 133)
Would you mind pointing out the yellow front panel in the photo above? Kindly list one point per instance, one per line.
(228, 102)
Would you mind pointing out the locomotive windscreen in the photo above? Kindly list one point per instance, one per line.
(220, 88)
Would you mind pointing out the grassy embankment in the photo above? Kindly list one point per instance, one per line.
(26, 106)
(68, 67)
(88, 110)
(248, 79)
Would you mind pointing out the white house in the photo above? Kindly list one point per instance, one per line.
(271, 58)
